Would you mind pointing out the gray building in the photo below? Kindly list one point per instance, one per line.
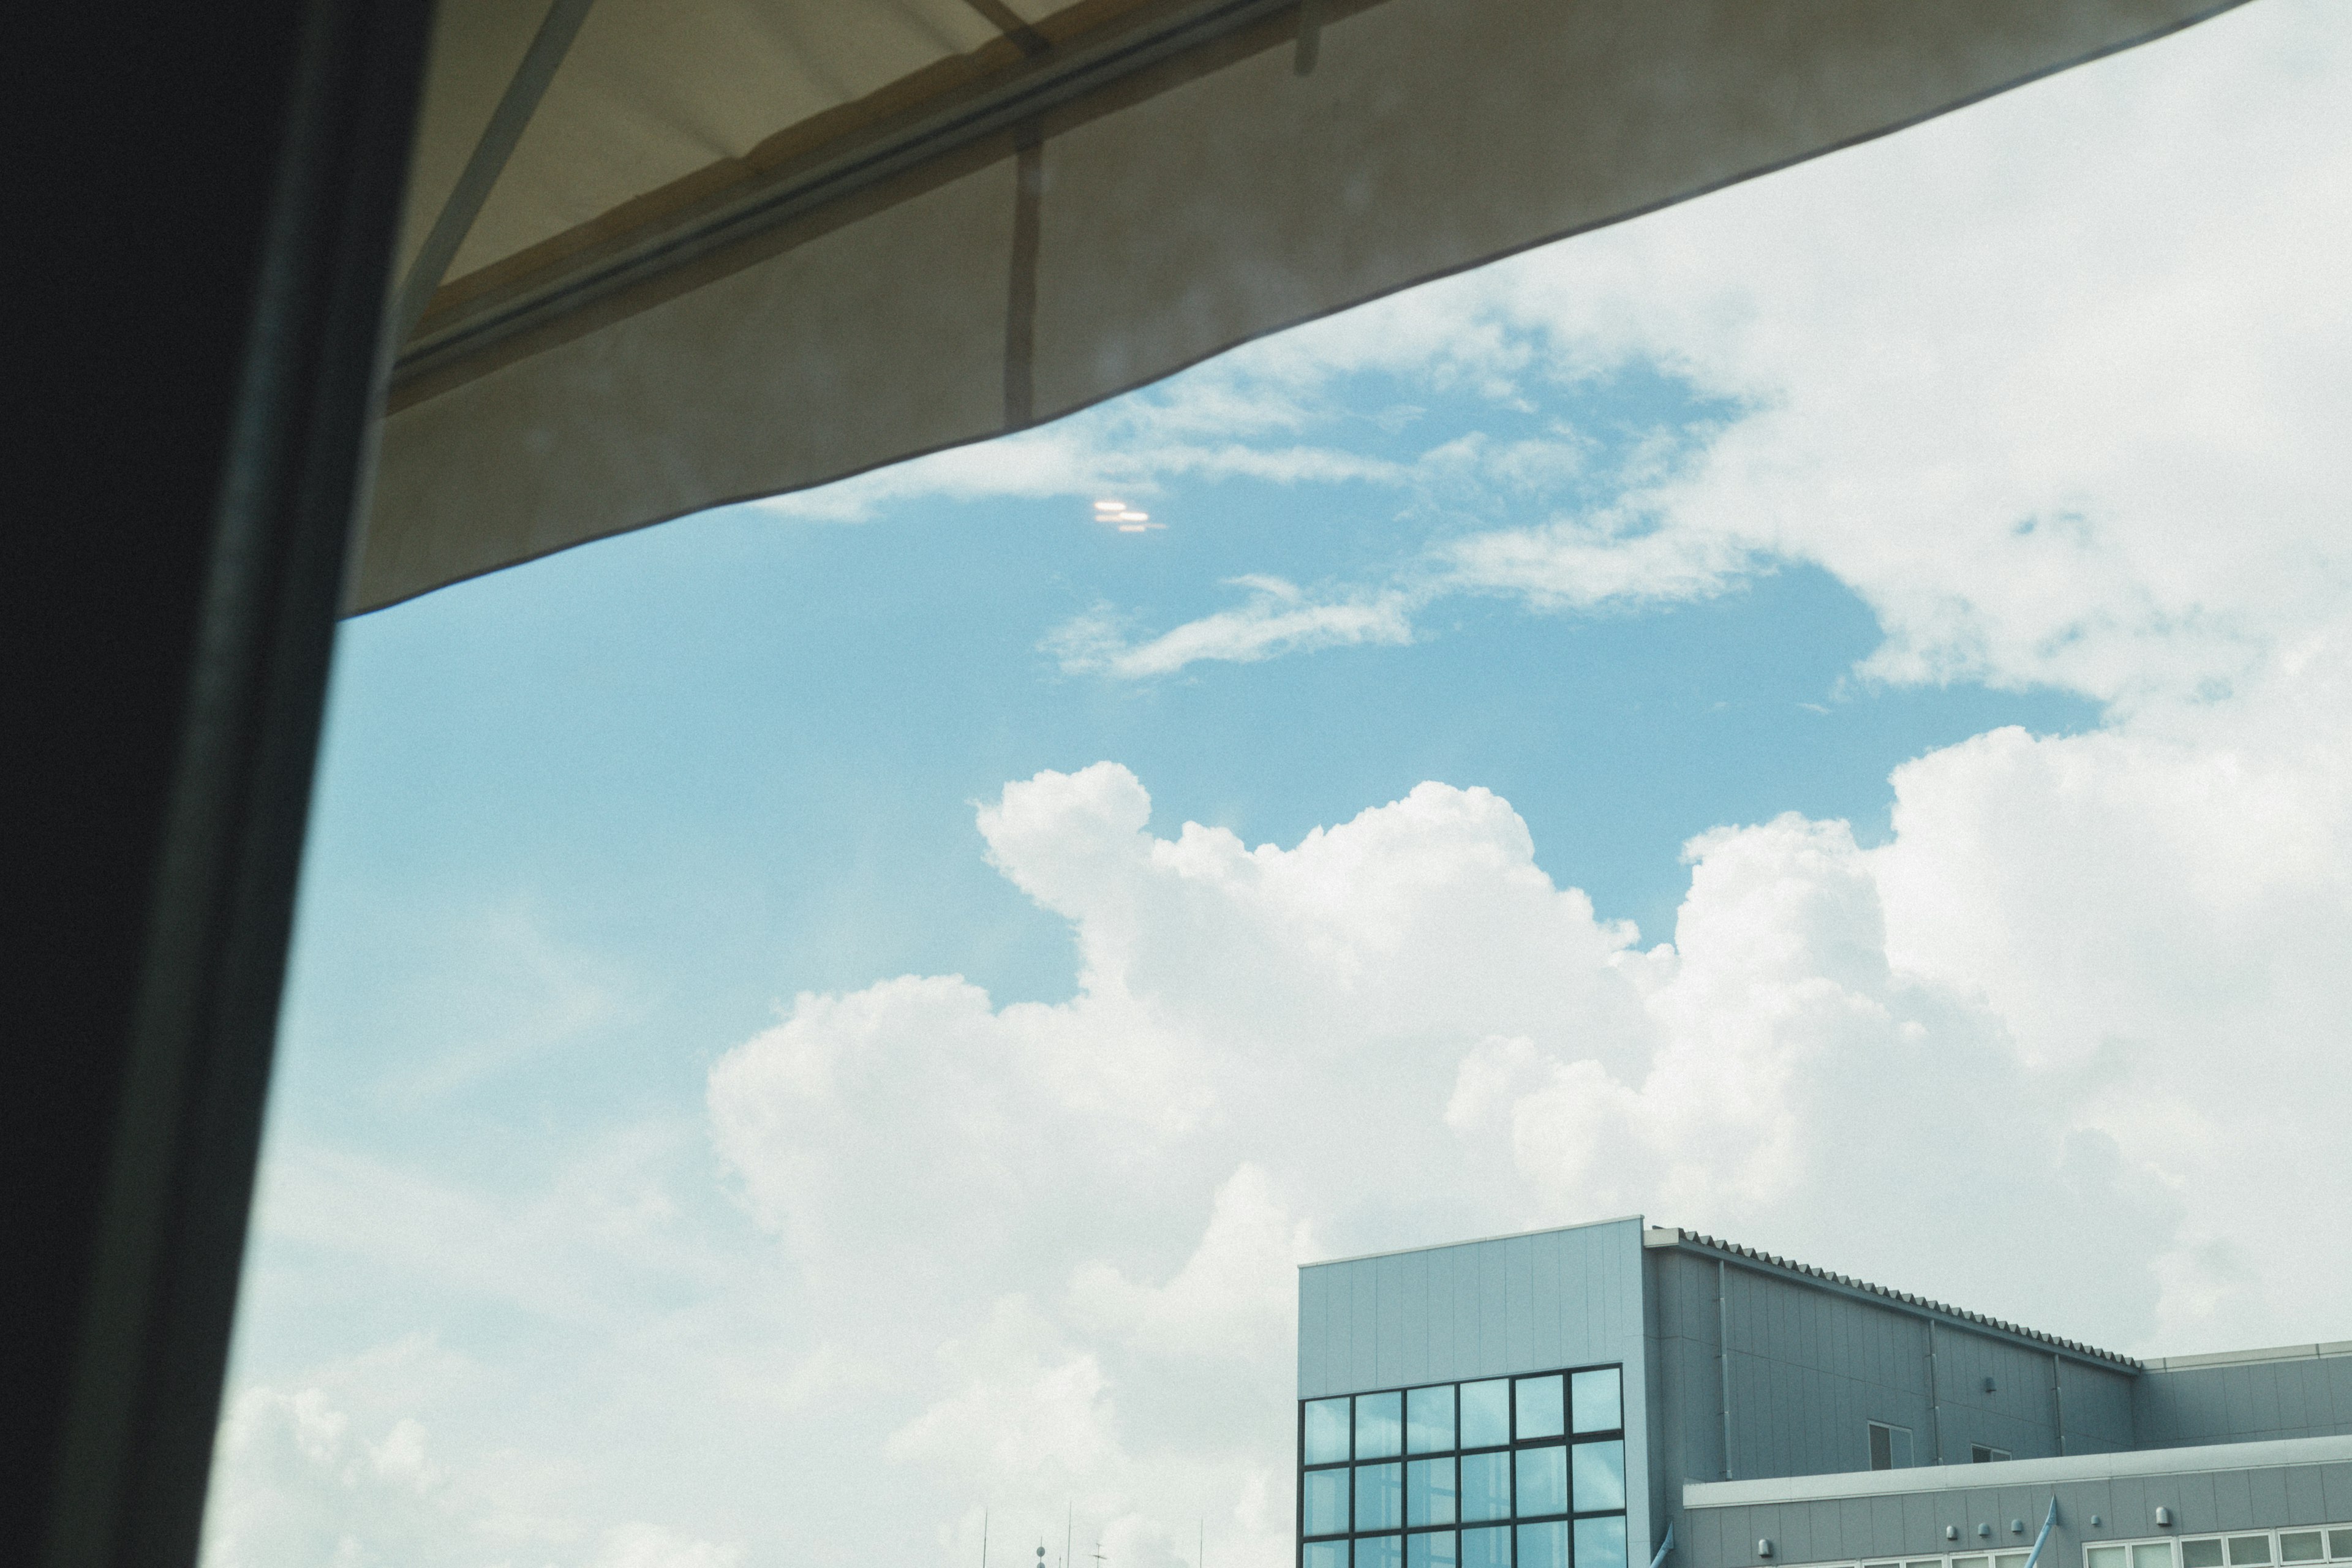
(1617, 1394)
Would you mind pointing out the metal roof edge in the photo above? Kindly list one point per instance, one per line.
(2240, 1358)
(2275, 1452)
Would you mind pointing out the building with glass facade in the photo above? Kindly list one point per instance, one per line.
(1622, 1396)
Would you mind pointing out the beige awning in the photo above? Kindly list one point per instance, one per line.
(742, 246)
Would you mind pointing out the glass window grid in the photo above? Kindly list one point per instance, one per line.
(1336, 1550)
(2335, 1542)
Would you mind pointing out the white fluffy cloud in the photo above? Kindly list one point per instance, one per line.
(1402, 1029)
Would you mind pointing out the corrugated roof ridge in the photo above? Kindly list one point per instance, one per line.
(2019, 1330)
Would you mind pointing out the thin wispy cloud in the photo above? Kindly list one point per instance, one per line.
(1277, 618)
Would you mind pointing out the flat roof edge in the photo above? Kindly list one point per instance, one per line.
(1475, 1241)
(2241, 1358)
(2270, 1454)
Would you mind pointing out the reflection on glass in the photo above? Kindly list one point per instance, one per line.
(1540, 1412)
(1326, 1554)
(1599, 1476)
(1327, 1431)
(2204, 1553)
(2116, 1557)
(1543, 1482)
(2302, 1546)
(1429, 1419)
(2159, 1554)
(1486, 1415)
(1601, 1542)
(1431, 1549)
(2012, 1559)
(2244, 1551)
(1380, 1497)
(1326, 1502)
(1598, 1399)
(1429, 1491)
(1485, 1487)
(2339, 1543)
(1379, 1552)
(1380, 1426)
(1486, 1548)
(1543, 1546)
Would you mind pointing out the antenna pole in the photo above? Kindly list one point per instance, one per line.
(984, 1538)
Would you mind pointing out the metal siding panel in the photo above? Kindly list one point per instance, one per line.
(2199, 1505)
(1885, 1533)
(2266, 1496)
(1392, 1310)
(2339, 1395)
(1546, 1307)
(1494, 1308)
(2306, 1504)
(2233, 1501)
(1518, 1300)
(1469, 1358)
(1856, 1530)
(2336, 1491)
(2134, 1511)
(1922, 1521)
(1364, 1327)
(1796, 1534)
(1311, 1333)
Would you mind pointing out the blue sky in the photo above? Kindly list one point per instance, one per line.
(1909, 590)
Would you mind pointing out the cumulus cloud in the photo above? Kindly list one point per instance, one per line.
(1402, 1028)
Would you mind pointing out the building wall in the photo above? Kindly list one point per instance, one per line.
(1912, 1523)
(2233, 1399)
(1486, 1308)
(1811, 1368)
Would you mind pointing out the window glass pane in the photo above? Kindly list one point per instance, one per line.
(2204, 1553)
(1599, 1476)
(1486, 1488)
(1485, 1415)
(2105, 1557)
(1326, 1502)
(1380, 1497)
(2243, 1549)
(2010, 1559)
(1601, 1542)
(1598, 1401)
(1380, 1426)
(2301, 1546)
(1486, 1548)
(1970, 1562)
(1902, 1447)
(1429, 1419)
(1539, 1411)
(2339, 1543)
(1326, 1554)
(1429, 1491)
(1379, 1552)
(2159, 1554)
(1882, 1446)
(1543, 1546)
(1431, 1549)
(1543, 1481)
(1327, 1431)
